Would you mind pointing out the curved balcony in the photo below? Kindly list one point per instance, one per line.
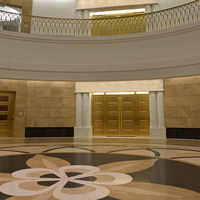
(171, 52)
(159, 20)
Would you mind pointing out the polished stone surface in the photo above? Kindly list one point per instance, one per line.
(99, 168)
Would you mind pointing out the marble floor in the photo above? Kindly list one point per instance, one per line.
(99, 168)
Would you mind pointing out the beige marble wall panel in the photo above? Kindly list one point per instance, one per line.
(44, 92)
(195, 112)
(20, 101)
(178, 122)
(182, 102)
(56, 92)
(69, 121)
(32, 102)
(195, 100)
(195, 122)
(69, 102)
(56, 112)
(68, 93)
(27, 7)
(195, 89)
(62, 84)
(57, 102)
(69, 112)
(43, 103)
(19, 122)
(195, 80)
(19, 133)
(178, 81)
(39, 84)
(51, 100)
(174, 111)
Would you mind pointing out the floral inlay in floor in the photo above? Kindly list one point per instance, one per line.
(62, 180)
(99, 171)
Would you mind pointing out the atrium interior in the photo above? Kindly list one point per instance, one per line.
(99, 99)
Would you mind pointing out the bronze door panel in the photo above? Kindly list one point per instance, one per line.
(121, 115)
(112, 112)
(6, 101)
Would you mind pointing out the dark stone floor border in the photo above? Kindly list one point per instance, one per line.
(183, 133)
(49, 132)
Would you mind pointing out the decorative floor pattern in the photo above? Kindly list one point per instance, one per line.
(102, 169)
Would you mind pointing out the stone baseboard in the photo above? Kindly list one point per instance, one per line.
(183, 133)
(49, 132)
(157, 133)
(82, 132)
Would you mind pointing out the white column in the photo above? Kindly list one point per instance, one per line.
(160, 110)
(155, 25)
(86, 14)
(79, 14)
(78, 110)
(78, 26)
(154, 8)
(153, 110)
(148, 19)
(86, 110)
(85, 130)
(87, 23)
(157, 128)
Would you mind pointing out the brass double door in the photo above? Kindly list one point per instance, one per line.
(121, 115)
(6, 109)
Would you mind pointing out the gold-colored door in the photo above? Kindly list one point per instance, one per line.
(118, 24)
(121, 115)
(98, 115)
(6, 101)
(142, 109)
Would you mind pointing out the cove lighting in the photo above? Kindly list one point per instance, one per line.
(142, 92)
(118, 93)
(118, 12)
(100, 93)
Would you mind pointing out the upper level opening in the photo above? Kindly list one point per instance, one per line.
(11, 9)
(116, 13)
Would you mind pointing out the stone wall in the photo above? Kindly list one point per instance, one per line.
(43, 103)
(182, 102)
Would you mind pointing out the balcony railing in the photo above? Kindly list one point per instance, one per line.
(154, 21)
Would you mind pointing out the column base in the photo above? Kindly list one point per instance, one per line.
(82, 132)
(158, 133)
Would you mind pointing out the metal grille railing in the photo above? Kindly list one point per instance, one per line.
(159, 20)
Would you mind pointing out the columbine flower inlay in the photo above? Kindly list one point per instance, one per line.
(90, 181)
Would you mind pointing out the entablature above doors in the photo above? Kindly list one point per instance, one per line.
(120, 86)
(97, 4)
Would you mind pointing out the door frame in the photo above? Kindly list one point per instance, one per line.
(156, 106)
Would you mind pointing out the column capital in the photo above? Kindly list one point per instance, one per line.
(148, 9)
(154, 8)
(86, 14)
(79, 14)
